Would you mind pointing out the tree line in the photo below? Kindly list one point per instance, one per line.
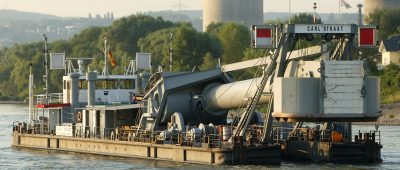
(228, 42)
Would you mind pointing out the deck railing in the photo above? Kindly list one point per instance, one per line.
(53, 98)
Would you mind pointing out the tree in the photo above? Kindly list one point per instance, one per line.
(387, 20)
(390, 81)
(209, 62)
(189, 47)
(234, 39)
(304, 18)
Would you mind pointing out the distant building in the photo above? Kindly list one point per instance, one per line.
(390, 50)
(247, 12)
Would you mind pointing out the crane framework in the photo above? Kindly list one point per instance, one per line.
(331, 89)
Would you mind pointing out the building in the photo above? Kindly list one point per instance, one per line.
(247, 12)
(371, 5)
(390, 49)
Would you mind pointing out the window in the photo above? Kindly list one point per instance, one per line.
(83, 84)
(127, 84)
(107, 84)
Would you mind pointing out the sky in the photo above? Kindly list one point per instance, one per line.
(120, 8)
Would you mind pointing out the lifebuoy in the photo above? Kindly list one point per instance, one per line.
(79, 117)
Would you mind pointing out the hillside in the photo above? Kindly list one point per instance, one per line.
(26, 27)
(6, 14)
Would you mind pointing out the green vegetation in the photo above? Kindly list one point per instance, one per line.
(122, 35)
(390, 84)
(126, 36)
(139, 33)
(387, 20)
(301, 18)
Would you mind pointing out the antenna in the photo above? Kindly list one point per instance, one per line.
(315, 12)
(180, 6)
(46, 76)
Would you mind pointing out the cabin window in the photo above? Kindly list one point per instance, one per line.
(101, 84)
(107, 84)
(127, 84)
(68, 85)
(64, 84)
(82, 84)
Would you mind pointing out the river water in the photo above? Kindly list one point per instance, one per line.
(13, 158)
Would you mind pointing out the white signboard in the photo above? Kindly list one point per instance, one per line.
(64, 131)
(322, 28)
(57, 61)
(143, 61)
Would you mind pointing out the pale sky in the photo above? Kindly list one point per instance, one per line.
(81, 8)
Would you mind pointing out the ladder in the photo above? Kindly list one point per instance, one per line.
(251, 106)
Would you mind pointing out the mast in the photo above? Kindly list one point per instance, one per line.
(46, 77)
(360, 19)
(31, 117)
(105, 70)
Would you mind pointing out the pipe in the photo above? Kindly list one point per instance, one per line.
(217, 98)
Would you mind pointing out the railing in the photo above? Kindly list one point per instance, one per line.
(33, 128)
(373, 136)
(281, 134)
(130, 134)
(53, 98)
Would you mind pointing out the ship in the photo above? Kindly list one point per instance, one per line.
(296, 108)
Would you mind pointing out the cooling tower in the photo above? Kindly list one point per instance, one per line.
(247, 12)
(371, 5)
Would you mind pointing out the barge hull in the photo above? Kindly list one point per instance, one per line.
(265, 154)
(332, 152)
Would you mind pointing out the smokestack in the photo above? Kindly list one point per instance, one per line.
(74, 95)
(91, 78)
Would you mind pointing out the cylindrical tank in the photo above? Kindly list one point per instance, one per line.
(91, 78)
(217, 98)
(247, 12)
(226, 133)
(371, 5)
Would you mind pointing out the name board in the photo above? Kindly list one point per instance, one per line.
(322, 28)
(64, 131)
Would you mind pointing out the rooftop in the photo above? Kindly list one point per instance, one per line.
(392, 44)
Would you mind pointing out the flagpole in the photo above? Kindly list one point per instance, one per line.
(290, 10)
(105, 71)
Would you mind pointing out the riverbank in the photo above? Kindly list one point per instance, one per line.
(390, 115)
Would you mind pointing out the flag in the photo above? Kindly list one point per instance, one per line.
(345, 4)
(112, 60)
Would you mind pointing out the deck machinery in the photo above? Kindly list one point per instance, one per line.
(329, 91)
(300, 106)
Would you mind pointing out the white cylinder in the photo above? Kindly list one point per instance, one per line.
(247, 12)
(219, 98)
(226, 133)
